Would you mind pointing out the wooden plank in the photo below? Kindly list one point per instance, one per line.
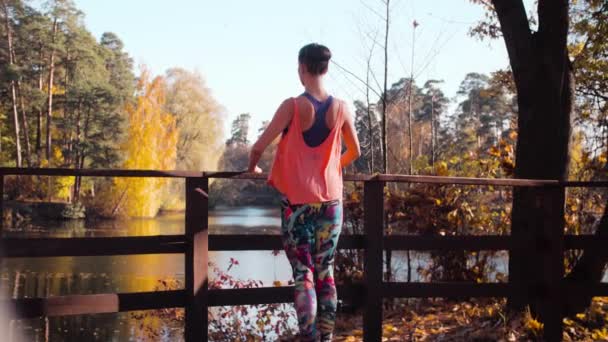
(443, 290)
(406, 179)
(270, 242)
(99, 173)
(429, 243)
(196, 259)
(272, 295)
(236, 175)
(467, 181)
(585, 288)
(54, 247)
(585, 242)
(373, 199)
(581, 184)
(93, 304)
(509, 182)
(350, 177)
(1, 206)
(255, 296)
(550, 252)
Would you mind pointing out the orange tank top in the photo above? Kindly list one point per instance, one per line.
(307, 174)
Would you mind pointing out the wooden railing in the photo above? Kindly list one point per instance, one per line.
(195, 245)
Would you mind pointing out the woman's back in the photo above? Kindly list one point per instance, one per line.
(304, 173)
(309, 114)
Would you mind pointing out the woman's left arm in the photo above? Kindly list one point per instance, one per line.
(279, 122)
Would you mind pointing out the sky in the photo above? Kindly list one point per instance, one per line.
(247, 50)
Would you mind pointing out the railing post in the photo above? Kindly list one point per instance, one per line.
(374, 231)
(536, 262)
(551, 246)
(1, 204)
(196, 259)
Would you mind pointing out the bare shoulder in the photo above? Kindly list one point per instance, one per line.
(344, 108)
(285, 110)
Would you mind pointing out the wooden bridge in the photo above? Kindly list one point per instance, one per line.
(196, 243)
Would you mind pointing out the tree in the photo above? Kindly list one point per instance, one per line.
(13, 81)
(64, 14)
(198, 119)
(150, 144)
(119, 66)
(197, 115)
(588, 50)
(434, 103)
(369, 133)
(398, 119)
(483, 112)
(545, 87)
(239, 131)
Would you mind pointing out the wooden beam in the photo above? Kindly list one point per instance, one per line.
(443, 290)
(584, 242)
(430, 243)
(508, 182)
(196, 259)
(550, 226)
(586, 288)
(93, 304)
(272, 295)
(54, 247)
(270, 242)
(373, 221)
(98, 173)
(1, 207)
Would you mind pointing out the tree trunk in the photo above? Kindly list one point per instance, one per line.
(39, 119)
(16, 124)
(13, 90)
(433, 132)
(588, 270)
(544, 93)
(39, 123)
(369, 115)
(385, 126)
(384, 93)
(25, 125)
(410, 100)
(80, 158)
(49, 112)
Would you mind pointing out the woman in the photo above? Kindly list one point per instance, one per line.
(307, 171)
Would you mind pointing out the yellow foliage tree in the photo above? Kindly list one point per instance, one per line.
(150, 144)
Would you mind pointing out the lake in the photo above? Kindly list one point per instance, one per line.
(40, 277)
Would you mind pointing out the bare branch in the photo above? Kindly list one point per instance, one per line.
(356, 77)
(371, 9)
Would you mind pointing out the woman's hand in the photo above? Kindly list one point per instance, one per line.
(349, 133)
(255, 169)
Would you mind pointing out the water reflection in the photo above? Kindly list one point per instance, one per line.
(41, 277)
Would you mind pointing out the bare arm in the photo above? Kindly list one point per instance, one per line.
(349, 134)
(279, 122)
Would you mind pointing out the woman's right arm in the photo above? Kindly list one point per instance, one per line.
(349, 134)
(279, 122)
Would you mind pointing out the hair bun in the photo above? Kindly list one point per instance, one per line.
(316, 58)
(326, 55)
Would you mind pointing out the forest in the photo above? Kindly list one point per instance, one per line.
(72, 100)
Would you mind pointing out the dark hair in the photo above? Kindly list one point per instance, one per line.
(315, 57)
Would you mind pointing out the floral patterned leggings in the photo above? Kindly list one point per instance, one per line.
(310, 236)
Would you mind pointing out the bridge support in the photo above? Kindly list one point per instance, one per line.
(196, 259)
